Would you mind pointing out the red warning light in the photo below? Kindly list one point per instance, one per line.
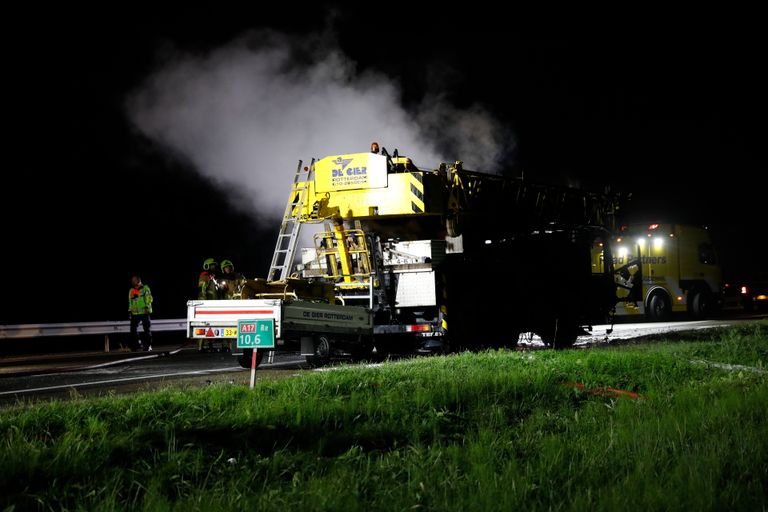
(653, 226)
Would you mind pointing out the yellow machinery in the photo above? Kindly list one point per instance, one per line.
(666, 268)
(368, 186)
(412, 244)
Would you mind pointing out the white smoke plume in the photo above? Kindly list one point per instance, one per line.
(245, 113)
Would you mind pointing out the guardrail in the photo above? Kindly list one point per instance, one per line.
(21, 331)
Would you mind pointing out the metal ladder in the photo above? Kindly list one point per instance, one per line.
(285, 248)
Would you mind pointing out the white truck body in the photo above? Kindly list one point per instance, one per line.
(296, 321)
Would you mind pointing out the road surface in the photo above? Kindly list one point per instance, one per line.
(41, 377)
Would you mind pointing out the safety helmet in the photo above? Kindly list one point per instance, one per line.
(207, 263)
(227, 263)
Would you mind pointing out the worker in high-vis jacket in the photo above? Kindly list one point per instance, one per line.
(139, 309)
(211, 268)
(231, 282)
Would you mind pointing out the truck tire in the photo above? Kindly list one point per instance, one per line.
(322, 354)
(701, 304)
(659, 307)
(245, 359)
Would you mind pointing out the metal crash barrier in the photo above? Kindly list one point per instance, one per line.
(21, 331)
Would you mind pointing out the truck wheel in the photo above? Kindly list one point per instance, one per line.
(701, 304)
(245, 359)
(322, 352)
(658, 307)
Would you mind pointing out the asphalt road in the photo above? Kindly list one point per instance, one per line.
(44, 377)
(98, 374)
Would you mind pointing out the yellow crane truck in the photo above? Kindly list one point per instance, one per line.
(662, 269)
(440, 259)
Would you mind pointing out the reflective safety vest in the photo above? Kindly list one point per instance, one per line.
(206, 290)
(140, 300)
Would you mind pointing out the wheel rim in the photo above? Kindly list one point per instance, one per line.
(659, 306)
(323, 349)
(702, 304)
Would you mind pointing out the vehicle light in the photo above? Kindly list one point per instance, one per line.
(618, 239)
(658, 242)
(641, 241)
(726, 285)
(623, 252)
(200, 332)
(653, 226)
(761, 297)
(418, 328)
(744, 290)
(679, 298)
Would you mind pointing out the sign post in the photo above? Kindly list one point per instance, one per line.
(253, 367)
(255, 334)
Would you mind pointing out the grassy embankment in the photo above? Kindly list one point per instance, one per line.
(489, 431)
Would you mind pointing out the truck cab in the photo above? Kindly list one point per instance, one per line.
(666, 268)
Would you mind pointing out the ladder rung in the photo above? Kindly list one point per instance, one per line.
(291, 223)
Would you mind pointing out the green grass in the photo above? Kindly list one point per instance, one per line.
(487, 431)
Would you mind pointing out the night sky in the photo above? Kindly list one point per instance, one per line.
(88, 200)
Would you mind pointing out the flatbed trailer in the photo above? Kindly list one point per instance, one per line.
(315, 329)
